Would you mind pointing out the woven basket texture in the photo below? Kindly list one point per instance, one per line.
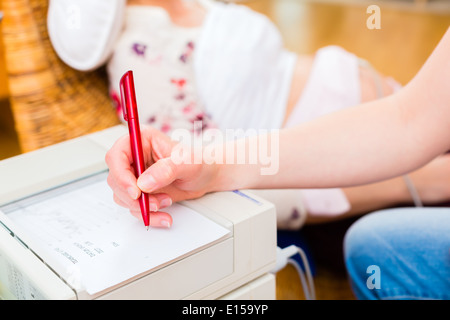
(50, 101)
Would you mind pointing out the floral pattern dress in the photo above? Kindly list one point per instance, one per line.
(160, 54)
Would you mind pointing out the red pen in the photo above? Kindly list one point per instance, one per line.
(130, 114)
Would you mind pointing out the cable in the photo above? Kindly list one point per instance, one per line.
(284, 257)
(413, 191)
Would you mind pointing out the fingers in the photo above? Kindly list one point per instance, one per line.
(159, 143)
(156, 202)
(159, 201)
(121, 177)
(122, 180)
(158, 219)
(158, 176)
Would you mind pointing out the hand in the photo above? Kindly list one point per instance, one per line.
(165, 181)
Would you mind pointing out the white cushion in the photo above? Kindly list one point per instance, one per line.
(83, 32)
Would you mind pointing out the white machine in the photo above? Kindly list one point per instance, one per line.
(236, 266)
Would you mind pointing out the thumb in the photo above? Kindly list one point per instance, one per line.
(159, 175)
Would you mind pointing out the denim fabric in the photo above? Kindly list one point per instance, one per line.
(405, 252)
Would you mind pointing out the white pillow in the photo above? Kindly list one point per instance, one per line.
(83, 32)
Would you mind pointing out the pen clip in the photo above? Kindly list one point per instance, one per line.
(123, 100)
(128, 97)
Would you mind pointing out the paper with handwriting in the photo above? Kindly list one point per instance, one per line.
(95, 244)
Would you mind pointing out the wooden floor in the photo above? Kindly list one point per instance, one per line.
(328, 285)
(398, 49)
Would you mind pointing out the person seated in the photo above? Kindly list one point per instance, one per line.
(226, 66)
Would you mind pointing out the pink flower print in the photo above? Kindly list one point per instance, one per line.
(116, 102)
(188, 52)
(198, 130)
(139, 49)
(199, 117)
(151, 120)
(179, 83)
(206, 122)
(189, 108)
(165, 127)
(180, 96)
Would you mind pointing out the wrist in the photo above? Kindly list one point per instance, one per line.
(223, 177)
(226, 172)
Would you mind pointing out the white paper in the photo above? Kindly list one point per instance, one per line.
(94, 243)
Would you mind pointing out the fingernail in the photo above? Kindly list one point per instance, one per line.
(165, 223)
(133, 192)
(166, 202)
(146, 182)
(153, 207)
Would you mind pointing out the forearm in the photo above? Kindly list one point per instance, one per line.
(343, 149)
(364, 144)
(360, 145)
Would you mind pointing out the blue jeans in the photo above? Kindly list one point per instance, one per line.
(400, 254)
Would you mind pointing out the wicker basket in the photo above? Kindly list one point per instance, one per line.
(50, 101)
